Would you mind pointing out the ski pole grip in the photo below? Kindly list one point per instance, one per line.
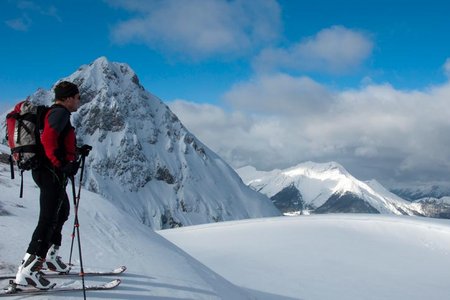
(84, 150)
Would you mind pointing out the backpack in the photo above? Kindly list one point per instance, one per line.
(23, 129)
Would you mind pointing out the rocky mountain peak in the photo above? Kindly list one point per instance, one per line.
(102, 73)
(142, 149)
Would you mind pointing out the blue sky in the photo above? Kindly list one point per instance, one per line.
(222, 58)
(410, 45)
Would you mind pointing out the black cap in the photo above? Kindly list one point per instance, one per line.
(65, 89)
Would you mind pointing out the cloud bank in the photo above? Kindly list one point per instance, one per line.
(376, 131)
(199, 29)
(333, 50)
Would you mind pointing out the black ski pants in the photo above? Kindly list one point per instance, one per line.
(54, 210)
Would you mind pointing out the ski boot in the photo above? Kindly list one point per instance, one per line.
(29, 273)
(54, 263)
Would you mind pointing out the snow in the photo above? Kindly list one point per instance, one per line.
(339, 257)
(327, 256)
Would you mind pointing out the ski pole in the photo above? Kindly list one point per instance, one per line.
(76, 201)
(77, 228)
(76, 225)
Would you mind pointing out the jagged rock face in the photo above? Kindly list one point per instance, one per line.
(146, 161)
(289, 200)
(346, 203)
(118, 115)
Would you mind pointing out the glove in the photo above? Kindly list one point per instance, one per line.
(71, 168)
(84, 150)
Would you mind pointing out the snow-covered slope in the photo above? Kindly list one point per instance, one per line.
(338, 257)
(326, 187)
(327, 257)
(146, 161)
(156, 268)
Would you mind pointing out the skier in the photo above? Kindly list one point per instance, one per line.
(58, 163)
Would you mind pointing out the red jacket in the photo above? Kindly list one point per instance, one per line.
(58, 137)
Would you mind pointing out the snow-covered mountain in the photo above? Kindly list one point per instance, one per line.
(435, 207)
(420, 190)
(325, 188)
(145, 160)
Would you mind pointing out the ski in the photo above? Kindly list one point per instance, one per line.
(16, 291)
(114, 272)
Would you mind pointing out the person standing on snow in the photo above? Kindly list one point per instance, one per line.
(59, 163)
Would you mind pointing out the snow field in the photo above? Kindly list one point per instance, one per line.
(327, 256)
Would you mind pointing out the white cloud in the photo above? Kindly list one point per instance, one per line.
(447, 67)
(20, 24)
(50, 11)
(29, 10)
(334, 50)
(199, 28)
(375, 131)
(234, 135)
(279, 94)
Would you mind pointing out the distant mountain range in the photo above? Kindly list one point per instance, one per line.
(148, 164)
(329, 188)
(418, 191)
